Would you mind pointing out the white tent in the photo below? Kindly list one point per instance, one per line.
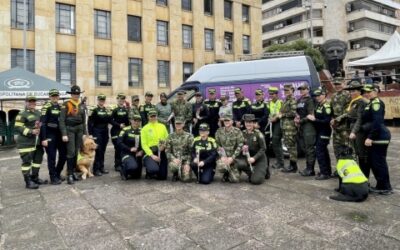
(388, 55)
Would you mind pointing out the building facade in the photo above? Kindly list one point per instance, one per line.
(130, 46)
(365, 25)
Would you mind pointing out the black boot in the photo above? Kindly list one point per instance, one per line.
(292, 168)
(70, 179)
(307, 172)
(70, 170)
(175, 177)
(29, 183)
(268, 174)
(35, 177)
(54, 180)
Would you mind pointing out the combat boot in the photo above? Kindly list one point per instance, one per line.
(70, 179)
(175, 177)
(35, 177)
(307, 172)
(29, 183)
(292, 168)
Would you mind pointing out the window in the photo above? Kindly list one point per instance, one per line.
(163, 74)
(135, 72)
(187, 36)
(162, 33)
(134, 28)
(209, 39)
(228, 37)
(103, 71)
(17, 14)
(187, 5)
(228, 9)
(66, 68)
(246, 44)
(187, 70)
(17, 59)
(65, 18)
(162, 2)
(245, 13)
(102, 22)
(208, 7)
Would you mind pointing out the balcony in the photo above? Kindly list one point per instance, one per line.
(304, 25)
(362, 33)
(283, 15)
(360, 53)
(361, 14)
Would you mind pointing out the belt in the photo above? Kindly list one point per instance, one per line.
(52, 125)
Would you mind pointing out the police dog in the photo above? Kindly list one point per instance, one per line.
(86, 156)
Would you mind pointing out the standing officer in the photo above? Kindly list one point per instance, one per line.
(181, 108)
(131, 151)
(230, 141)
(27, 124)
(146, 107)
(254, 145)
(274, 107)
(134, 109)
(305, 107)
(50, 135)
(240, 107)
(119, 120)
(72, 126)
(200, 113)
(99, 118)
(260, 111)
(178, 150)
(321, 118)
(289, 129)
(213, 105)
(164, 110)
(204, 155)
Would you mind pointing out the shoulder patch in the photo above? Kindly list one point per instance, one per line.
(197, 138)
(376, 106)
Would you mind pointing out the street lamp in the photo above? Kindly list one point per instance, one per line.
(308, 5)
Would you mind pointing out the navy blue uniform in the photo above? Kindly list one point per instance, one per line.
(51, 132)
(260, 111)
(208, 154)
(239, 108)
(144, 110)
(119, 115)
(323, 116)
(213, 114)
(131, 164)
(202, 110)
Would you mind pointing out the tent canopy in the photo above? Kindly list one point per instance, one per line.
(17, 83)
(388, 55)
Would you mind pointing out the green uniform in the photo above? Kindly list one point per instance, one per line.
(339, 102)
(183, 109)
(274, 109)
(144, 110)
(134, 110)
(289, 130)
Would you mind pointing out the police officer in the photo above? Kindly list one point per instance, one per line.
(119, 120)
(50, 135)
(260, 111)
(213, 105)
(27, 124)
(131, 150)
(134, 108)
(154, 136)
(253, 151)
(178, 151)
(305, 107)
(200, 113)
(181, 108)
(164, 111)
(72, 126)
(204, 155)
(377, 140)
(321, 119)
(289, 129)
(240, 107)
(146, 107)
(230, 141)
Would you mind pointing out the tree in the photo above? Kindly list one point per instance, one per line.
(301, 45)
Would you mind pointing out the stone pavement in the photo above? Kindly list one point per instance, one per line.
(287, 212)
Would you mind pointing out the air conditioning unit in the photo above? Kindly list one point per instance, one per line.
(278, 10)
(278, 26)
(275, 42)
(281, 41)
(376, 46)
(351, 28)
(356, 46)
(348, 7)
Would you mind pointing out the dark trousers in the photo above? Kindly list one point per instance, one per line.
(377, 157)
(207, 172)
(277, 143)
(213, 127)
(323, 158)
(31, 160)
(74, 144)
(131, 166)
(55, 144)
(101, 135)
(155, 169)
(309, 135)
(117, 151)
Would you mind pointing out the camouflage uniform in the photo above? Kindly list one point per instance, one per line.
(289, 130)
(144, 110)
(339, 102)
(183, 109)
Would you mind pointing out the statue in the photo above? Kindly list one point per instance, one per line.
(334, 51)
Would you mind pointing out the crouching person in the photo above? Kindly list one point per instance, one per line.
(131, 151)
(177, 149)
(204, 155)
(353, 185)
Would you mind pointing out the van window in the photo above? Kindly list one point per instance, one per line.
(189, 94)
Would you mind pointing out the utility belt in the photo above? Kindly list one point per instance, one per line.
(52, 125)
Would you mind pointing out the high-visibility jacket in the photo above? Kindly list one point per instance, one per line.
(151, 135)
(350, 172)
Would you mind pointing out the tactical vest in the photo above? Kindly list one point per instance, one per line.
(350, 172)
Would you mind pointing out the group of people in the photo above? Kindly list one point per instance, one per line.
(193, 141)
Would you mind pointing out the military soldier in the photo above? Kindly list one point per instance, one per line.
(99, 118)
(321, 118)
(119, 120)
(204, 155)
(253, 151)
(305, 107)
(289, 129)
(200, 113)
(131, 150)
(260, 111)
(225, 109)
(146, 107)
(134, 109)
(50, 135)
(213, 105)
(182, 108)
(230, 141)
(31, 152)
(164, 110)
(240, 107)
(72, 125)
(178, 150)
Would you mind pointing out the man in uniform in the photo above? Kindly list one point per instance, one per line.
(134, 109)
(164, 111)
(178, 149)
(200, 113)
(213, 105)
(146, 107)
(72, 126)
(240, 107)
(260, 111)
(230, 141)
(305, 107)
(27, 124)
(181, 108)
(119, 120)
(289, 129)
(50, 135)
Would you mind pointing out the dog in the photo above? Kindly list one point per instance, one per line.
(86, 156)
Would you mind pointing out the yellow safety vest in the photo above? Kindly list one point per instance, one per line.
(274, 107)
(350, 172)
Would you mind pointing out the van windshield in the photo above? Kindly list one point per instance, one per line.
(189, 94)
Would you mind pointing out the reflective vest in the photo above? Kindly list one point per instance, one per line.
(350, 172)
(274, 107)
